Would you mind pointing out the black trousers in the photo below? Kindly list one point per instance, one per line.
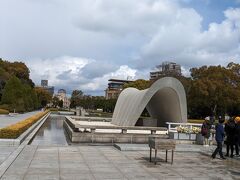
(237, 145)
(230, 146)
(218, 150)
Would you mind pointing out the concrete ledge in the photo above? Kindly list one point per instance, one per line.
(76, 125)
(103, 137)
(21, 138)
(85, 118)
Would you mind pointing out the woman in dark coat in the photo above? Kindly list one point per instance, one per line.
(205, 131)
(237, 136)
(230, 133)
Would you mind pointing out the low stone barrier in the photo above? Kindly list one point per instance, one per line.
(20, 139)
(124, 134)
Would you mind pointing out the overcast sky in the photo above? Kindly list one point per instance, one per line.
(80, 44)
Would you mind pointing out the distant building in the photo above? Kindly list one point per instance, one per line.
(44, 85)
(115, 86)
(61, 95)
(167, 68)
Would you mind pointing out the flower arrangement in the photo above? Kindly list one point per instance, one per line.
(196, 130)
(184, 129)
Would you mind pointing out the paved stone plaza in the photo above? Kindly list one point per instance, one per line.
(106, 162)
(5, 151)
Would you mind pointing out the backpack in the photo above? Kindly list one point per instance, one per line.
(204, 130)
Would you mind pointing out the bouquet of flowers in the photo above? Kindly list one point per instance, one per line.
(182, 129)
(196, 130)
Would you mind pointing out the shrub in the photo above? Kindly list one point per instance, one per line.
(15, 130)
(5, 106)
(3, 111)
(197, 121)
(52, 109)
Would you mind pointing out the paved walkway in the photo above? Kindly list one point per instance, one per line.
(5, 151)
(6, 120)
(106, 162)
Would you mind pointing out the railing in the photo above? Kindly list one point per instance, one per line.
(172, 127)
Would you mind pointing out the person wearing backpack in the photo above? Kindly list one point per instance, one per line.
(219, 139)
(205, 131)
(230, 133)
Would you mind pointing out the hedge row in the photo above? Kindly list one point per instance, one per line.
(3, 111)
(15, 130)
(52, 109)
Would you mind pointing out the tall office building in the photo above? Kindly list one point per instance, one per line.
(44, 85)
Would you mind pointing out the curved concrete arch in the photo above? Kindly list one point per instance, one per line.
(165, 101)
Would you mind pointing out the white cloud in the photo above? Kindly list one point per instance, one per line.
(168, 31)
(100, 83)
(68, 68)
(119, 38)
(67, 72)
(189, 45)
(124, 17)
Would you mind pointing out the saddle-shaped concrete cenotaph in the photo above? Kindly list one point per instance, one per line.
(165, 101)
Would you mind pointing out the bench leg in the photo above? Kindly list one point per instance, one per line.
(166, 155)
(172, 156)
(150, 159)
(155, 156)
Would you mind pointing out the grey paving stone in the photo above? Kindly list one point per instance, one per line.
(74, 171)
(41, 177)
(45, 171)
(79, 176)
(110, 175)
(12, 177)
(105, 162)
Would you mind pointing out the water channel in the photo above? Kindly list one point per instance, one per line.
(51, 132)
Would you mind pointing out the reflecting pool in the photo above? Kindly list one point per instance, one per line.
(51, 132)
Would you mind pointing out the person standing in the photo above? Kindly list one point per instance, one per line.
(205, 131)
(230, 133)
(237, 135)
(219, 138)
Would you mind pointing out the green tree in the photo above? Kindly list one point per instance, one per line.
(13, 95)
(214, 90)
(76, 97)
(55, 101)
(18, 96)
(60, 103)
(44, 97)
(138, 84)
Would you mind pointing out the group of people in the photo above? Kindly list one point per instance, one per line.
(229, 133)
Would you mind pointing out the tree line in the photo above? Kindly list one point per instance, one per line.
(210, 90)
(17, 91)
(91, 102)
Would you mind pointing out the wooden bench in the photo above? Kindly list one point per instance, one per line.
(157, 143)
